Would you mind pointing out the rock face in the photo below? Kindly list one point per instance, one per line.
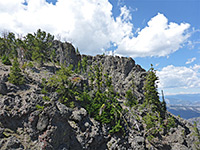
(24, 126)
(122, 70)
(3, 88)
(27, 121)
(65, 53)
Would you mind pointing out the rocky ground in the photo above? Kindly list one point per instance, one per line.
(27, 121)
(195, 120)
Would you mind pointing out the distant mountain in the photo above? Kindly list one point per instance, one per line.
(183, 99)
(185, 112)
(185, 105)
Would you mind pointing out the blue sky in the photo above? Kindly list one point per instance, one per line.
(178, 11)
(165, 33)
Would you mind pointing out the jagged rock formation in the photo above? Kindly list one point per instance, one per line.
(122, 70)
(27, 121)
(65, 53)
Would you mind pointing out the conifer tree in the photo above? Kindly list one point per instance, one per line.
(163, 104)
(150, 88)
(91, 77)
(77, 51)
(84, 64)
(15, 74)
(8, 45)
(5, 60)
(62, 84)
(41, 45)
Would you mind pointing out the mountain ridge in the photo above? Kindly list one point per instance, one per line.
(93, 111)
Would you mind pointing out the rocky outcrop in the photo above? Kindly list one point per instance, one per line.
(25, 125)
(28, 121)
(122, 70)
(3, 88)
(195, 120)
(65, 53)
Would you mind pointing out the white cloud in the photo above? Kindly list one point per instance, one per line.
(120, 2)
(195, 43)
(172, 77)
(90, 25)
(157, 39)
(191, 60)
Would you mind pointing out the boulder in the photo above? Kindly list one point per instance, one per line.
(3, 88)
(78, 115)
(13, 143)
(42, 122)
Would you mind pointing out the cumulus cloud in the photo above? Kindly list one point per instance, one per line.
(172, 77)
(159, 38)
(191, 60)
(91, 26)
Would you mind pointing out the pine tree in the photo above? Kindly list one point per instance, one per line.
(41, 46)
(15, 74)
(5, 60)
(150, 88)
(62, 84)
(163, 104)
(84, 64)
(8, 45)
(77, 51)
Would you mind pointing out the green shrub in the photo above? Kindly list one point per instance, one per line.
(150, 120)
(197, 134)
(171, 123)
(30, 65)
(44, 86)
(24, 66)
(39, 107)
(27, 65)
(116, 128)
(15, 76)
(71, 104)
(150, 138)
(46, 98)
(130, 99)
(61, 83)
(5, 60)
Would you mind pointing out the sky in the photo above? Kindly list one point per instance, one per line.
(165, 33)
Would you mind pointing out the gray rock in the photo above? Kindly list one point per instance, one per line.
(42, 122)
(179, 146)
(66, 53)
(1, 132)
(13, 143)
(12, 88)
(122, 70)
(63, 109)
(78, 115)
(3, 88)
(139, 140)
(57, 126)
